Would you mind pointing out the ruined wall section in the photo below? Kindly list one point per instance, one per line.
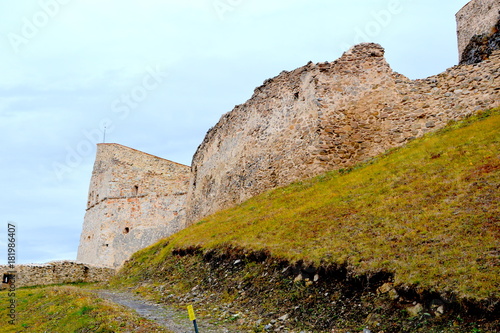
(237, 159)
(478, 17)
(390, 110)
(55, 273)
(328, 116)
(135, 199)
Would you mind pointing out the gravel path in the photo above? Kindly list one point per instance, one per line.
(168, 317)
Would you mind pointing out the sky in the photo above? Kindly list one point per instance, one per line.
(157, 74)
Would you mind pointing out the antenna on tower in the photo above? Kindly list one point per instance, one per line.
(104, 136)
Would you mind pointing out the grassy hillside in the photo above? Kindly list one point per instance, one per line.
(69, 309)
(428, 213)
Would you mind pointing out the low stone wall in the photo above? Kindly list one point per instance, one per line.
(55, 273)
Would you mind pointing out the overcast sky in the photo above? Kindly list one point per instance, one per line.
(158, 74)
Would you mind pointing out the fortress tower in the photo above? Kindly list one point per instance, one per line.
(478, 23)
(134, 200)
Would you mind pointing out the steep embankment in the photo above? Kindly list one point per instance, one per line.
(408, 241)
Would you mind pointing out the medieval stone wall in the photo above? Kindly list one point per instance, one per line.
(135, 199)
(328, 116)
(478, 17)
(56, 273)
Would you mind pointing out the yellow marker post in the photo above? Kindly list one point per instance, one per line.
(192, 317)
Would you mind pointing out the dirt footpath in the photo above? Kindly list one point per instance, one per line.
(173, 319)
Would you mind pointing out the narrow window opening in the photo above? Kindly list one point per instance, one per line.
(88, 237)
(126, 230)
(107, 245)
(135, 191)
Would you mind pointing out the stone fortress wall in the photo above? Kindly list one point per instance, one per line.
(328, 116)
(135, 199)
(478, 17)
(55, 273)
(317, 118)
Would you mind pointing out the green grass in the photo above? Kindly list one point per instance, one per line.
(428, 212)
(69, 309)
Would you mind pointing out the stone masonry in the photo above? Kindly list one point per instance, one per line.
(328, 116)
(135, 199)
(55, 273)
(478, 17)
